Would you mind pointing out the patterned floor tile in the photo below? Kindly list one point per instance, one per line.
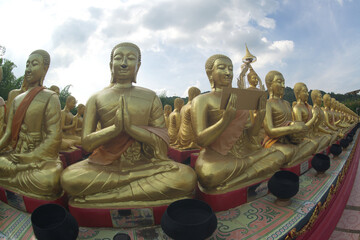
(350, 219)
(338, 235)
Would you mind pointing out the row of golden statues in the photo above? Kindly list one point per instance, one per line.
(129, 166)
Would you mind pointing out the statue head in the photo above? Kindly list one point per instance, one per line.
(81, 109)
(37, 66)
(167, 109)
(125, 61)
(70, 102)
(327, 100)
(219, 69)
(178, 103)
(332, 103)
(316, 97)
(275, 83)
(253, 78)
(56, 89)
(301, 91)
(193, 92)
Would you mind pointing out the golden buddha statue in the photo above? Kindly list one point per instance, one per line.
(175, 120)
(68, 124)
(329, 116)
(186, 137)
(230, 158)
(303, 112)
(167, 111)
(33, 168)
(129, 166)
(282, 133)
(78, 119)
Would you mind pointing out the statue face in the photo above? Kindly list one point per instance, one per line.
(71, 103)
(35, 70)
(222, 73)
(278, 86)
(318, 99)
(81, 110)
(327, 101)
(304, 94)
(125, 64)
(254, 80)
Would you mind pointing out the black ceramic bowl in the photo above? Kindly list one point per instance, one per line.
(121, 236)
(320, 162)
(335, 149)
(52, 221)
(350, 138)
(189, 219)
(344, 143)
(284, 184)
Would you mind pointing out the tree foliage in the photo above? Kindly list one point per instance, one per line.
(9, 81)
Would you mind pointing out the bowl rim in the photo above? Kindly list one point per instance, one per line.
(203, 204)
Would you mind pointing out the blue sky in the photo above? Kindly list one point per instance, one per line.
(315, 42)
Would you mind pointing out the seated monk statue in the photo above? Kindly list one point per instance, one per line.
(68, 123)
(281, 132)
(230, 158)
(167, 111)
(78, 119)
(129, 166)
(303, 112)
(33, 167)
(320, 127)
(175, 120)
(186, 137)
(329, 117)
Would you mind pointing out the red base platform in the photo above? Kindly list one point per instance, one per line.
(118, 217)
(180, 155)
(300, 168)
(225, 201)
(27, 204)
(193, 158)
(71, 157)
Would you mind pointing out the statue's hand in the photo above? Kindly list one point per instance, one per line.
(119, 120)
(230, 111)
(127, 121)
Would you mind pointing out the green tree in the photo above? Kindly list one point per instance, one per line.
(9, 81)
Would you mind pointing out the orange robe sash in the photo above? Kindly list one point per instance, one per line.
(232, 133)
(112, 150)
(268, 142)
(20, 114)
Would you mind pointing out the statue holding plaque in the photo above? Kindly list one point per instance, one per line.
(129, 166)
(33, 168)
(186, 137)
(282, 132)
(175, 120)
(230, 158)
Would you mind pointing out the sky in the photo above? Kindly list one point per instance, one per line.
(310, 41)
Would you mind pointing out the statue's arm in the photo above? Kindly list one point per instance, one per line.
(4, 141)
(269, 127)
(259, 118)
(92, 139)
(63, 126)
(207, 135)
(315, 115)
(327, 122)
